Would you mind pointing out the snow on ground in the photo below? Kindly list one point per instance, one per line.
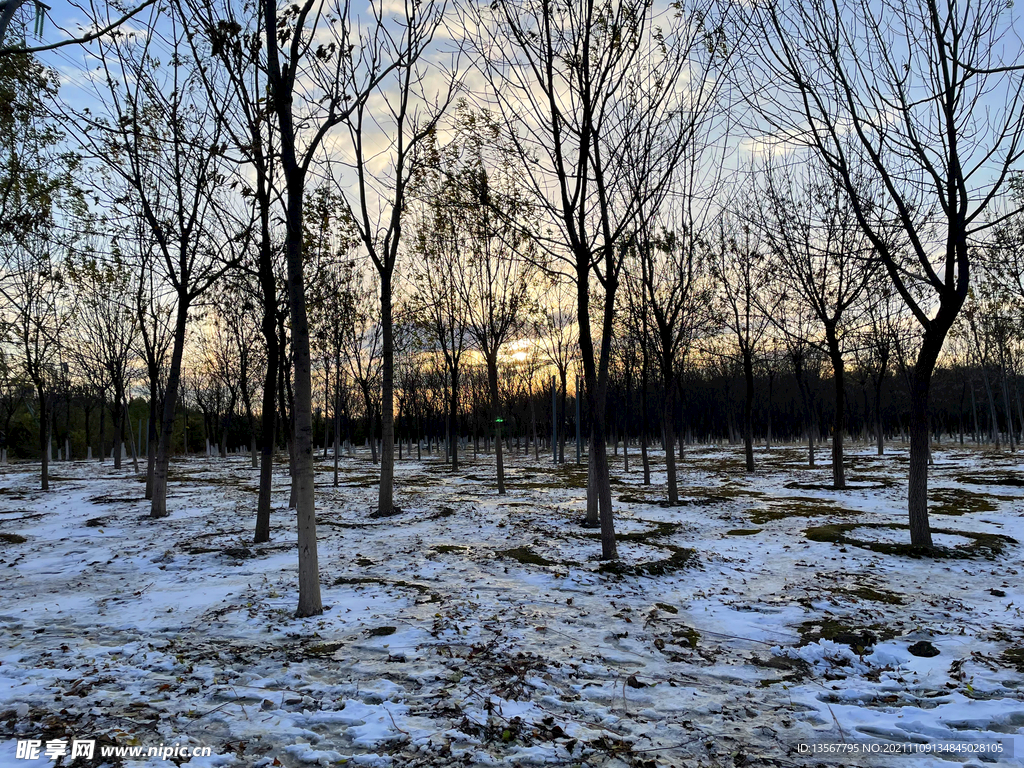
(765, 612)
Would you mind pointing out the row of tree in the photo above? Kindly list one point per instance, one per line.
(973, 403)
(106, 361)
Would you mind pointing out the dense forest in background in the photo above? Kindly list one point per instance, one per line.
(709, 411)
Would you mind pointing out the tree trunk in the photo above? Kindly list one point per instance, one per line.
(88, 430)
(596, 386)
(44, 438)
(103, 427)
(878, 416)
(974, 408)
(281, 92)
(1011, 438)
(593, 514)
(287, 405)
(131, 439)
(337, 430)
(533, 424)
(225, 428)
(163, 454)
(268, 415)
(327, 399)
(371, 428)
(805, 397)
(670, 444)
(960, 412)
(1020, 410)
(492, 381)
(645, 459)
(839, 380)
(748, 409)
(302, 408)
(993, 421)
(386, 497)
(917, 494)
(453, 417)
(152, 432)
(293, 491)
(118, 417)
(625, 425)
(563, 376)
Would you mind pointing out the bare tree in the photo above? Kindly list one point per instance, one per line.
(559, 339)
(154, 310)
(231, 36)
(13, 389)
(637, 328)
(821, 255)
(332, 300)
(388, 129)
(313, 46)
(876, 344)
(676, 277)
(36, 189)
(580, 86)
(106, 327)
(931, 97)
(437, 296)
(158, 143)
(740, 265)
(33, 289)
(363, 340)
(993, 322)
(499, 266)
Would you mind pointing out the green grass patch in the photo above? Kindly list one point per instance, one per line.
(858, 637)
(743, 531)
(659, 530)
(423, 589)
(727, 466)
(1011, 481)
(689, 635)
(877, 595)
(798, 669)
(872, 481)
(959, 501)
(797, 508)
(524, 556)
(987, 545)
(681, 557)
(874, 486)
(1014, 657)
(12, 538)
(322, 649)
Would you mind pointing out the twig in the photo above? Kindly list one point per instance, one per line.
(393, 721)
(842, 736)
